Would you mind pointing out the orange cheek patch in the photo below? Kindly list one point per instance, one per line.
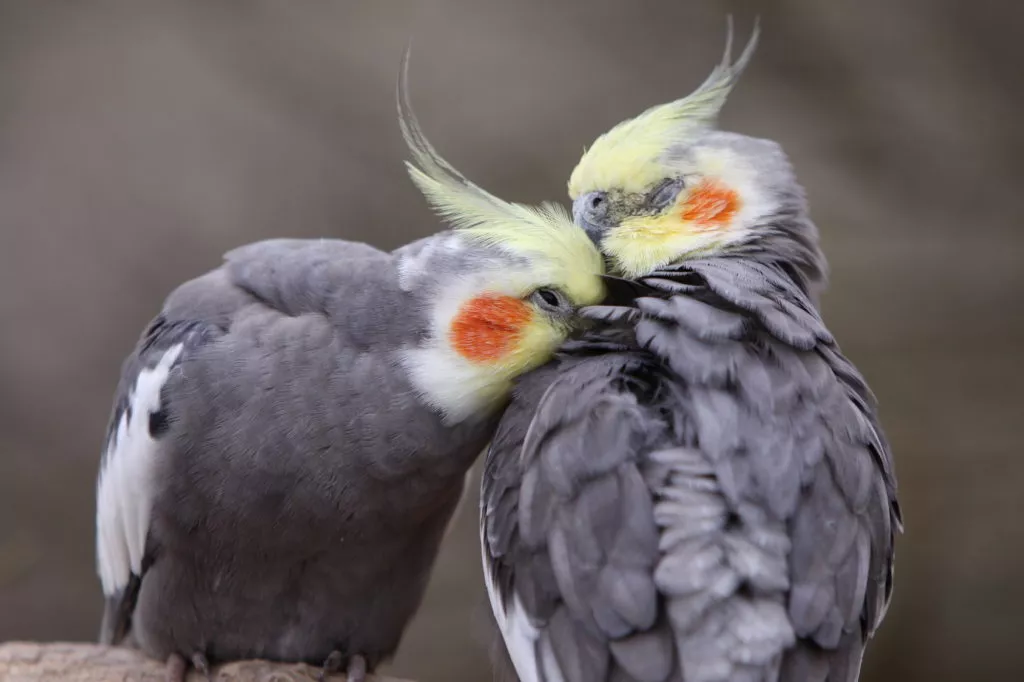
(711, 205)
(488, 326)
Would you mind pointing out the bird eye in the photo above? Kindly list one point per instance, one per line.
(665, 192)
(595, 201)
(547, 298)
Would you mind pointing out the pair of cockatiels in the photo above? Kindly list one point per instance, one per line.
(697, 488)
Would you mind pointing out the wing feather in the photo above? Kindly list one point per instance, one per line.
(576, 565)
(126, 485)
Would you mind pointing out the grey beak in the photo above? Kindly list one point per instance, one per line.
(623, 292)
(582, 210)
(593, 231)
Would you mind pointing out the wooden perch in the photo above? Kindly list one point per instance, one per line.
(64, 662)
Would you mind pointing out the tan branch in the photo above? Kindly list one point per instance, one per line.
(64, 662)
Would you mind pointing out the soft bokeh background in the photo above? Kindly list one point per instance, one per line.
(140, 140)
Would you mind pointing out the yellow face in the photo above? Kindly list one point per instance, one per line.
(650, 196)
(707, 202)
(491, 325)
(506, 325)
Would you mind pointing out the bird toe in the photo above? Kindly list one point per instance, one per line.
(175, 669)
(201, 664)
(331, 665)
(357, 669)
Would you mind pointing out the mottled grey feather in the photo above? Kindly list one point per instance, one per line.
(710, 499)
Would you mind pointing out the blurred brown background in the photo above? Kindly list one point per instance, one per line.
(140, 140)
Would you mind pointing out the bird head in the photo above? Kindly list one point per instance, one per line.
(666, 186)
(504, 284)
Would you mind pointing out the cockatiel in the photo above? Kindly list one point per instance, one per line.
(698, 490)
(292, 432)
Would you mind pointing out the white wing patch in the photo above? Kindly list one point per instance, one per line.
(518, 633)
(124, 495)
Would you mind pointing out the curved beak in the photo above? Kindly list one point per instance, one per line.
(593, 230)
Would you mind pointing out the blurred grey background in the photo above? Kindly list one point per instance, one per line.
(141, 140)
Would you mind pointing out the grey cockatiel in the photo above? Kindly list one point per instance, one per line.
(699, 490)
(292, 431)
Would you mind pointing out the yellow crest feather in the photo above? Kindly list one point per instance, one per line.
(632, 155)
(544, 233)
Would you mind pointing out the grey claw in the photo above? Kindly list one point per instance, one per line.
(357, 669)
(200, 663)
(176, 668)
(331, 665)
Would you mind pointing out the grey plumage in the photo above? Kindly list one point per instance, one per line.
(300, 487)
(699, 489)
(715, 501)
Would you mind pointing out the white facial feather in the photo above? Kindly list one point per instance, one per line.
(413, 268)
(447, 381)
(126, 484)
(739, 175)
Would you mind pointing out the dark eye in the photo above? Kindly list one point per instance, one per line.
(664, 193)
(596, 200)
(548, 298)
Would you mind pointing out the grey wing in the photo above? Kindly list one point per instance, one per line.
(126, 483)
(315, 281)
(843, 534)
(728, 514)
(569, 536)
(792, 471)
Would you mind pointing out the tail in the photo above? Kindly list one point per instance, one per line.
(117, 613)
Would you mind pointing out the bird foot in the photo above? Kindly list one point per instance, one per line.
(177, 667)
(356, 670)
(202, 665)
